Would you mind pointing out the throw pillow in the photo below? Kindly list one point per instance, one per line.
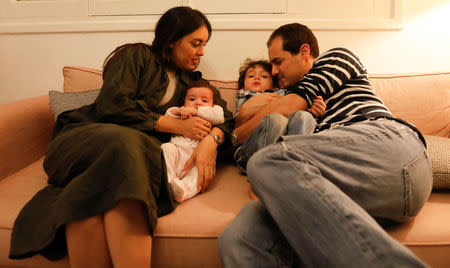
(438, 151)
(65, 101)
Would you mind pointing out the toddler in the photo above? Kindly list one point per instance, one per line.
(255, 78)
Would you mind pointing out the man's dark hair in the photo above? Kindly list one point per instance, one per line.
(294, 36)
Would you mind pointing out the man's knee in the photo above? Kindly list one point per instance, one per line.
(260, 167)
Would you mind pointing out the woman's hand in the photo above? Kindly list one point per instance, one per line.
(195, 128)
(204, 156)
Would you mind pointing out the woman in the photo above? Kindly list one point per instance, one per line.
(107, 175)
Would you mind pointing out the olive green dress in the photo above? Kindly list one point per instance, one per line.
(105, 152)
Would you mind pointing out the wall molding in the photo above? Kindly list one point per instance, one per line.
(220, 22)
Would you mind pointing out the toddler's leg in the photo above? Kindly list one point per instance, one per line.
(269, 130)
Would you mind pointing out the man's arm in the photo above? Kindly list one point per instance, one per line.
(284, 105)
(253, 105)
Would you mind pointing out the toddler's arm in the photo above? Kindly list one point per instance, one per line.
(318, 107)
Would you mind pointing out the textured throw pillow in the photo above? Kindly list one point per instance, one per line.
(65, 101)
(438, 150)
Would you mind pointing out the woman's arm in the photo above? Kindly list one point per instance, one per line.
(195, 127)
(128, 78)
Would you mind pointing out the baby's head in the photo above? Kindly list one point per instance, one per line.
(256, 75)
(199, 93)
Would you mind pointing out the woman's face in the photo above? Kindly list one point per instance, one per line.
(187, 51)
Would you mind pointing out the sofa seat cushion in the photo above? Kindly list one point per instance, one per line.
(15, 191)
(190, 232)
(428, 235)
(179, 237)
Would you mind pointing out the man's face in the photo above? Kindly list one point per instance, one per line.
(289, 68)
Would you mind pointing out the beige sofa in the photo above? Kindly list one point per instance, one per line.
(187, 237)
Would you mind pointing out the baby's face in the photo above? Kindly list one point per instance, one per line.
(257, 79)
(199, 96)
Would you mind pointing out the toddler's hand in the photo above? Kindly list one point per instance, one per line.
(318, 107)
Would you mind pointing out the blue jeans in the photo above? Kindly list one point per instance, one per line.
(271, 128)
(320, 195)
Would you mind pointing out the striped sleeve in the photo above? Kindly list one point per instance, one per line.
(341, 79)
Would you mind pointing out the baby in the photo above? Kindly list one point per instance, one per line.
(198, 102)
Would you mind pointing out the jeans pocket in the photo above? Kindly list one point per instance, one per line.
(418, 180)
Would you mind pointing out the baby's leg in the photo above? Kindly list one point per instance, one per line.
(171, 157)
(190, 183)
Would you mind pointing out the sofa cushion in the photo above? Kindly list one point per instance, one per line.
(65, 101)
(438, 150)
(78, 78)
(421, 99)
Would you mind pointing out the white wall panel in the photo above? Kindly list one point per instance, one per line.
(240, 6)
(38, 8)
(130, 7)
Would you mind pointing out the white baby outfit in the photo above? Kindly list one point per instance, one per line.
(179, 150)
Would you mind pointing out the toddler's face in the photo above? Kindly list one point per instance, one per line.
(257, 79)
(199, 96)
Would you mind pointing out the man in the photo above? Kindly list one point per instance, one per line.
(322, 195)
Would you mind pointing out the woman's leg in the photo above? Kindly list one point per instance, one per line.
(86, 243)
(128, 235)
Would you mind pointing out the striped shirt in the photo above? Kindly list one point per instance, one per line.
(341, 79)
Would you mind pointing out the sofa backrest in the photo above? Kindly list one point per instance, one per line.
(421, 99)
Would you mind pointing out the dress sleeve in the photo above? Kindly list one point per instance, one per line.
(121, 99)
(169, 112)
(213, 114)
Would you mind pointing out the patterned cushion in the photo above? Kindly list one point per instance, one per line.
(438, 150)
(65, 101)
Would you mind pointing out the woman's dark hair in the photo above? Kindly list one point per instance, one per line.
(202, 83)
(249, 63)
(173, 25)
(294, 36)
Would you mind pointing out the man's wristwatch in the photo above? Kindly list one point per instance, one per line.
(216, 137)
(234, 139)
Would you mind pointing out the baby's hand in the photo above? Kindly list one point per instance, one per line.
(187, 112)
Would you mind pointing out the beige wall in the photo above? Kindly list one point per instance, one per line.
(31, 64)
